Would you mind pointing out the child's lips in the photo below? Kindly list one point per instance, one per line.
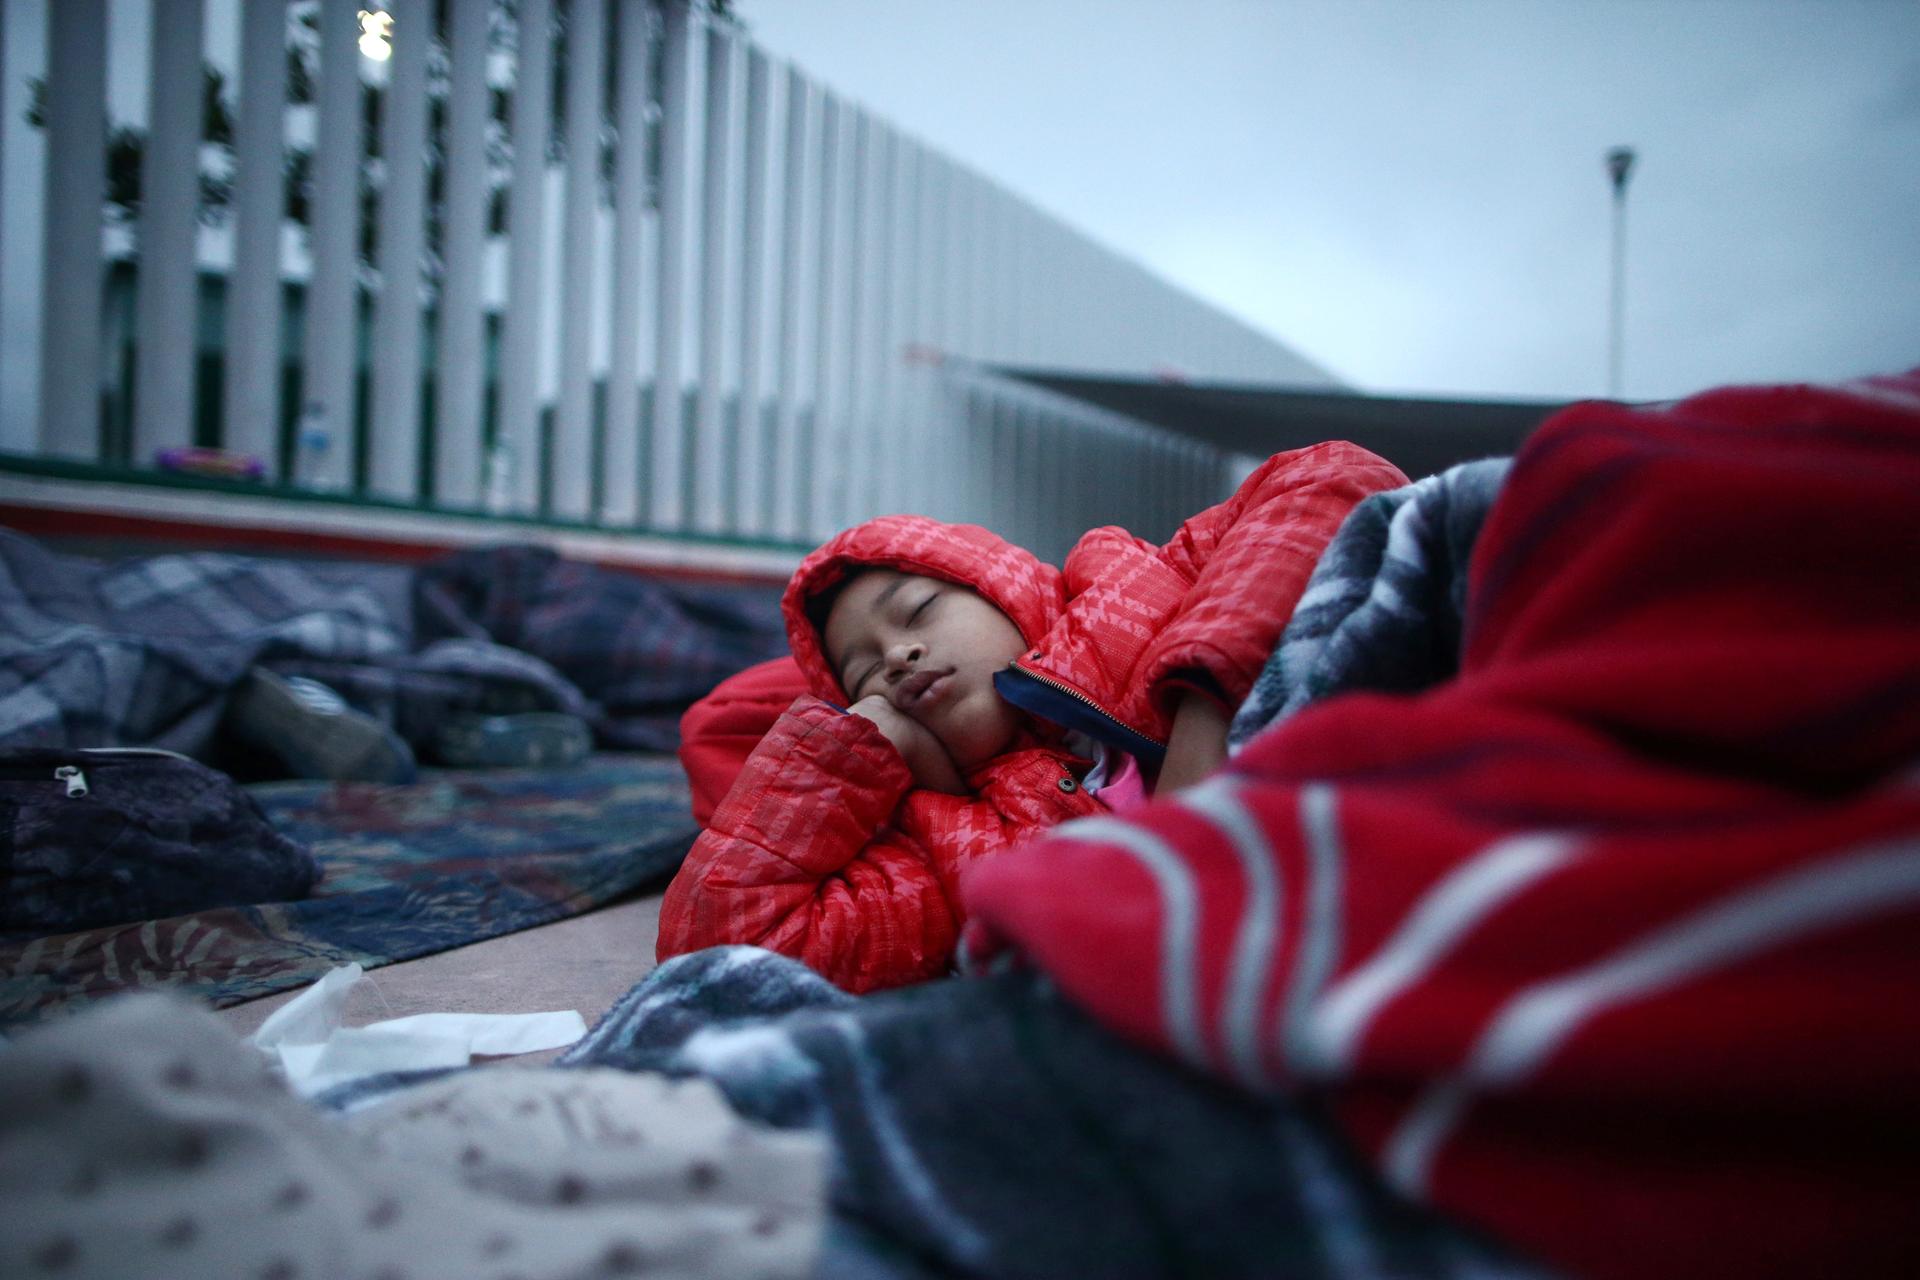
(922, 689)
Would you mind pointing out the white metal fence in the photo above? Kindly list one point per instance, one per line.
(821, 296)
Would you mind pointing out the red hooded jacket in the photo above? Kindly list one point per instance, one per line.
(824, 849)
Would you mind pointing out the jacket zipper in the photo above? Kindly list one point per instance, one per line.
(1158, 747)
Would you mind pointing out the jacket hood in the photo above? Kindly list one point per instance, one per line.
(1013, 579)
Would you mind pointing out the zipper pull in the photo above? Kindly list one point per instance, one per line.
(76, 781)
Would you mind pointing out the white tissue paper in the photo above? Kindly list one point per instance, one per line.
(316, 1053)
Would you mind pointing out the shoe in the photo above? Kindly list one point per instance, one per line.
(515, 741)
(314, 733)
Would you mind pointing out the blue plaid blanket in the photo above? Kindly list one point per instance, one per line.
(983, 1126)
(1383, 609)
(644, 650)
(147, 652)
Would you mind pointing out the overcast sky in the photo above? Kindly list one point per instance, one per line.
(1411, 192)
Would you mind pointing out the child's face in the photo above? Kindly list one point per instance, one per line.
(930, 648)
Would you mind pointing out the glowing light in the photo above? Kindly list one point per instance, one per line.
(376, 34)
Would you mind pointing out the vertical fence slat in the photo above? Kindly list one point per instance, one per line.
(325, 454)
(1160, 468)
(394, 434)
(978, 274)
(953, 500)
(1059, 499)
(935, 428)
(1013, 283)
(1059, 302)
(790, 458)
(912, 474)
(523, 323)
(856, 261)
(715, 452)
(250, 420)
(973, 269)
(993, 274)
(1015, 475)
(960, 274)
(620, 481)
(891, 457)
(1002, 445)
(165, 337)
(573, 454)
(876, 457)
(1033, 287)
(999, 298)
(460, 372)
(1082, 458)
(820, 464)
(751, 498)
(667, 505)
(70, 260)
(979, 458)
(1145, 517)
(1034, 473)
(1010, 466)
(884, 233)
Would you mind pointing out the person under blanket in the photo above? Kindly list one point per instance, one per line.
(961, 695)
(1608, 944)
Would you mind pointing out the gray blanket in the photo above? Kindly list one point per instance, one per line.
(984, 1127)
(1383, 609)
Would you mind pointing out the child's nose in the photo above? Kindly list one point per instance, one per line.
(904, 657)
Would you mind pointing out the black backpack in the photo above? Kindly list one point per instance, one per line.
(93, 837)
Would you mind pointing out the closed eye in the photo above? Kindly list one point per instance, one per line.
(854, 684)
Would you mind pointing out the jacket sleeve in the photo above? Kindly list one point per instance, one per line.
(814, 854)
(1248, 560)
(720, 731)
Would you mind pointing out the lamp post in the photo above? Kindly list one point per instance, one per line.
(1619, 168)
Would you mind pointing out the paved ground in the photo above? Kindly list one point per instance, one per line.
(584, 963)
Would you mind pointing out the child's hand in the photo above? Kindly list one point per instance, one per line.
(1198, 744)
(926, 759)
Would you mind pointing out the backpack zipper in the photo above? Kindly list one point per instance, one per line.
(72, 775)
(75, 777)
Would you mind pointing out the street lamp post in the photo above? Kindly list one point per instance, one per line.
(1619, 168)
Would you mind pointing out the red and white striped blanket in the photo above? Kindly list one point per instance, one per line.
(1610, 945)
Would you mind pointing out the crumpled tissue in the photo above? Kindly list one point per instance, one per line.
(316, 1052)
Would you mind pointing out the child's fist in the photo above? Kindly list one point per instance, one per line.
(926, 759)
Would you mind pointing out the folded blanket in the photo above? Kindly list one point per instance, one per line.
(989, 1128)
(1384, 607)
(1610, 944)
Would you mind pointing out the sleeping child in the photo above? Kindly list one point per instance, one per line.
(961, 696)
